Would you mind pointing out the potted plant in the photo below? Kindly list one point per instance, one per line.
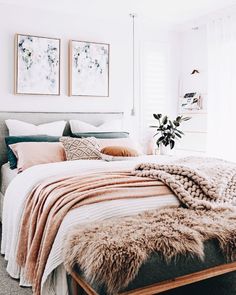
(168, 131)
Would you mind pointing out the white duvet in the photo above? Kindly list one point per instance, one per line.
(54, 278)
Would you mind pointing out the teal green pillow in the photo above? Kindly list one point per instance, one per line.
(101, 134)
(33, 138)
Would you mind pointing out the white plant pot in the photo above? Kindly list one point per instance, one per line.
(165, 150)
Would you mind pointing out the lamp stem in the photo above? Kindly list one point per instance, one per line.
(132, 15)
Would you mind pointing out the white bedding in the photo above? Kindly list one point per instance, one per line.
(7, 175)
(54, 278)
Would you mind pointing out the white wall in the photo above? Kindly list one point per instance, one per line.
(172, 41)
(194, 56)
(16, 19)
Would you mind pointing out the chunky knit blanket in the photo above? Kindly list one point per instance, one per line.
(199, 183)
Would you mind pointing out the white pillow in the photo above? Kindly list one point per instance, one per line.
(18, 128)
(78, 126)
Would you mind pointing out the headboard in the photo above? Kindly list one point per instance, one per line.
(95, 118)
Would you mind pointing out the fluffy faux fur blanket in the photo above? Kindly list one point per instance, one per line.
(111, 252)
(52, 199)
(199, 183)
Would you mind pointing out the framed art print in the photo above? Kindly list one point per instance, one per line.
(37, 65)
(88, 69)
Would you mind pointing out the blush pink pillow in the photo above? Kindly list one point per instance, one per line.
(34, 153)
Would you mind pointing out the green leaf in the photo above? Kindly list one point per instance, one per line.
(159, 141)
(178, 119)
(176, 123)
(157, 116)
(179, 131)
(172, 144)
(171, 124)
(165, 120)
(186, 118)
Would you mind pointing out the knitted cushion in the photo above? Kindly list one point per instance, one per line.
(81, 148)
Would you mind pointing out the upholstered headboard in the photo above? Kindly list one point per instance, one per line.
(94, 118)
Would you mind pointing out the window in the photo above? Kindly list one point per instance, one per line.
(154, 75)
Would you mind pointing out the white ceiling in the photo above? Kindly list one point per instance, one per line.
(160, 11)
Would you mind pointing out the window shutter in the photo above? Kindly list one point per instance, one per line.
(154, 82)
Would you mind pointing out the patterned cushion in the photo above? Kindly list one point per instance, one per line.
(81, 148)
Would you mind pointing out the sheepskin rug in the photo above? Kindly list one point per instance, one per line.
(111, 252)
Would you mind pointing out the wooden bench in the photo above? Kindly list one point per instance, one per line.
(80, 285)
(156, 275)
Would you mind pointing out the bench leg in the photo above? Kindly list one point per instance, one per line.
(77, 289)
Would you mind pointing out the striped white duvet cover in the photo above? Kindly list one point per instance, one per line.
(54, 278)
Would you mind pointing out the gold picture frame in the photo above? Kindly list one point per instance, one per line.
(93, 73)
(31, 58)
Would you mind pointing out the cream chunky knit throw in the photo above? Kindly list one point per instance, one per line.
(199, 183)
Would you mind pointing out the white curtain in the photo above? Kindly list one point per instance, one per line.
(221, 33)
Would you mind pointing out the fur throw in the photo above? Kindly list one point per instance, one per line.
(111, 252)
(199, 183)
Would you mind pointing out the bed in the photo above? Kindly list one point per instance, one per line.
(7, 175)
(15, 186)
(55, 280)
